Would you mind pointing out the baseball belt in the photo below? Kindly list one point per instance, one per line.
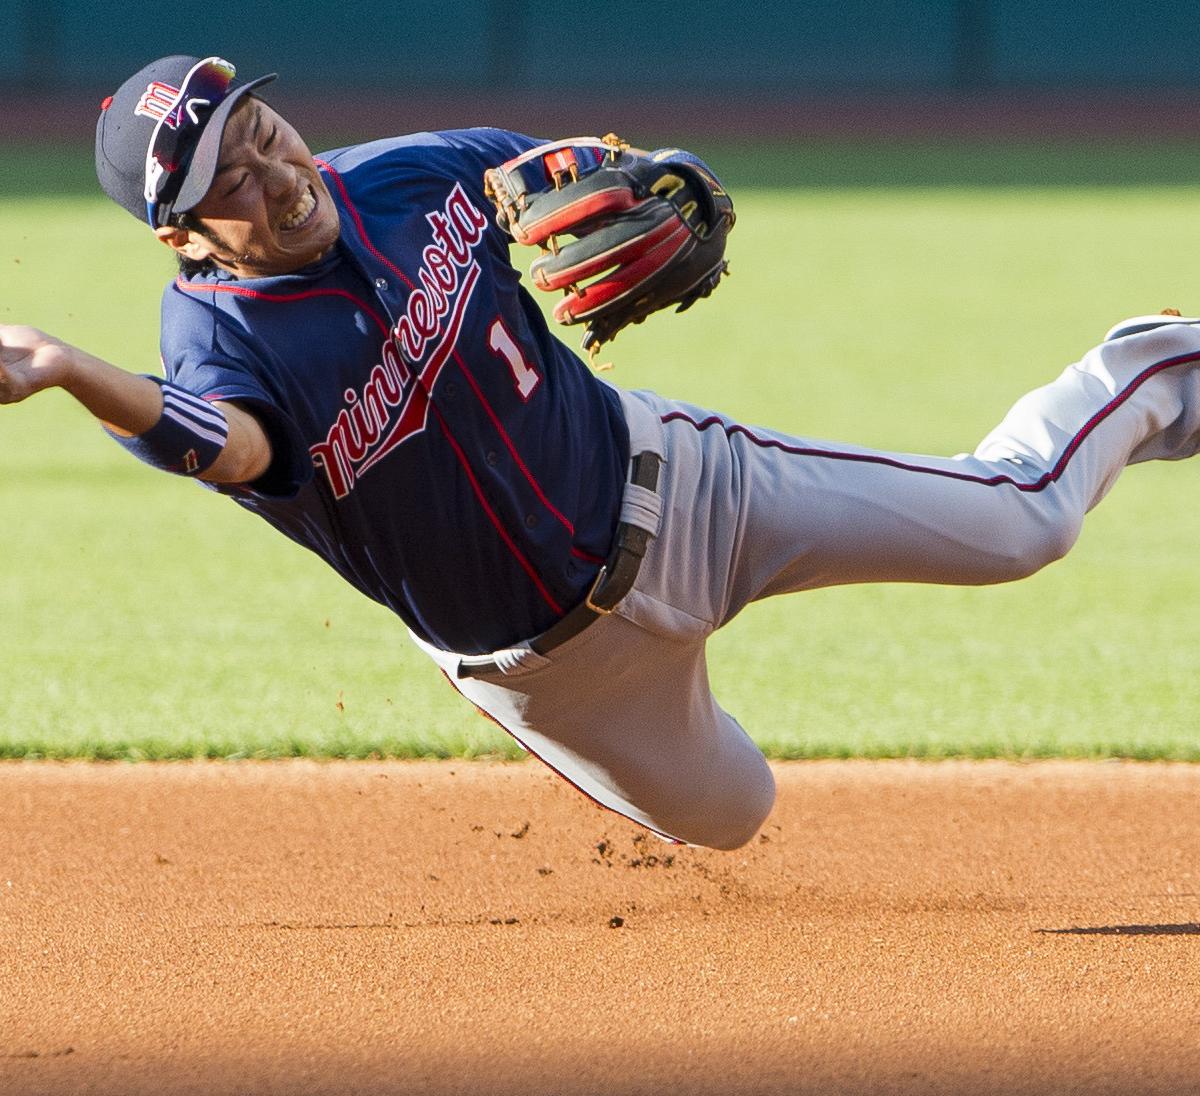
(614, 580)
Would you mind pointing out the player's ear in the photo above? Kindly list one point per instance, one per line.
(191, 245)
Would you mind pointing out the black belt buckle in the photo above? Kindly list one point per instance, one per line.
(644, 471)
(589, 601)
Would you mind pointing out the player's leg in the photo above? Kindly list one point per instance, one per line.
(623, 710)
(627, 716)
(814, 514)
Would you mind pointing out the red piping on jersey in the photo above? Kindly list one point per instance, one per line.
(403, 428)
(579, 553)
(421, 386)
(508, 444)
(1039, 484)
(358, 224)
(558, 772)
(282, 298)
(492, 516)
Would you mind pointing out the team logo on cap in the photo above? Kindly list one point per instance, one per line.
(157, 102)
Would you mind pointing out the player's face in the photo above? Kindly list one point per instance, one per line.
(268, 210)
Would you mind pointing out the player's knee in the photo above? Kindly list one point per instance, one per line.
(736, 832)
(1034, 545)
(1051, 541)
(731, 816)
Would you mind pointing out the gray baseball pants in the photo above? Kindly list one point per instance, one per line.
(624, 710)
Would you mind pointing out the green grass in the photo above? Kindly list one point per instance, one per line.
(141, 616)
(67, 170)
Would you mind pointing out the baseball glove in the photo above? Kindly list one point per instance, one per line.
(649, 228)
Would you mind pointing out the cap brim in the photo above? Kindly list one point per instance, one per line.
(208, 150)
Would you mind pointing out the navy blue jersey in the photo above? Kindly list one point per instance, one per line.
(433, 442)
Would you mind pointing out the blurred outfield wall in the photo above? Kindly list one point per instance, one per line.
(618, 46)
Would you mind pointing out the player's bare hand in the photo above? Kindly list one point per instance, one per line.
(30, 361)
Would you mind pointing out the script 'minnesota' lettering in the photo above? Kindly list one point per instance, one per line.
(372, 421)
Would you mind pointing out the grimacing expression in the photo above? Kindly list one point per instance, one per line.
(268, 208)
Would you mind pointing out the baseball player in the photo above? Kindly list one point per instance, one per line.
(350, 355)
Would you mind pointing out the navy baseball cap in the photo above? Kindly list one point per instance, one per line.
(159, 136)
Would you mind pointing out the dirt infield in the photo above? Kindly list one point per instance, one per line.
(473, 928)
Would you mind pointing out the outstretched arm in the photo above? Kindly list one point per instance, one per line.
(129, 405)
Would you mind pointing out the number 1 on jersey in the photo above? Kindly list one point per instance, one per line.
(502, 343)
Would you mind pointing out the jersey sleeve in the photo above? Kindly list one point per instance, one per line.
(205, 354)
(484, 147)
(473, 152)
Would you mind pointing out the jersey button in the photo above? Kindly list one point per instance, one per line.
(381, 284)
(530, 521)
(493, 458)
